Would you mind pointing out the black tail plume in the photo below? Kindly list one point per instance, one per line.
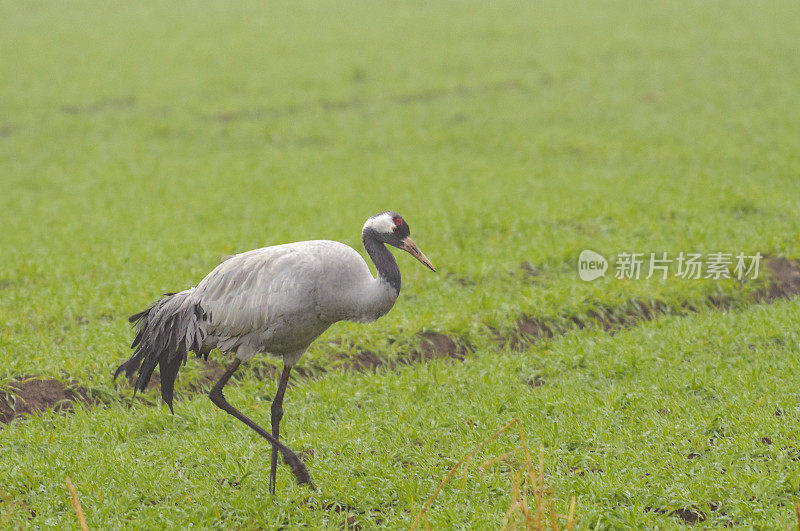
(166, 332)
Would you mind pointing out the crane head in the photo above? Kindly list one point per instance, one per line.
(391, 228)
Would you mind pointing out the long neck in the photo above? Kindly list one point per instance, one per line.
(383, 259)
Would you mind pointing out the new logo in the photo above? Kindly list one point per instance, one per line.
(591, 265)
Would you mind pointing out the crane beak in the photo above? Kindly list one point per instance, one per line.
(411, 248)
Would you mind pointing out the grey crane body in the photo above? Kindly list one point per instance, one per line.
(276, 300)
(279, 299)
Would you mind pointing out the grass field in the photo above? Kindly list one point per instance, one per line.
(141, 143)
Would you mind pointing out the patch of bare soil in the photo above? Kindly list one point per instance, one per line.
(353, 514)
(330, 105)
(254, 113)
(340, 105)
(435, 345)
(690, 515)
(529, 329)
(351, 522)
(687, 515)
(462, 281)
(154, 383)
(460, 90)
(110, 104)
(36, 395)
(364, 361)
(785, 275)
(211, 373)
(529, 269)
(536, 381)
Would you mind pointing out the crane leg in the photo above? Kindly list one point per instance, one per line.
(289, 457)
(277, 415)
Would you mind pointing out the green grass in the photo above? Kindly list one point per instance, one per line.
(669, 415)
(140, 143)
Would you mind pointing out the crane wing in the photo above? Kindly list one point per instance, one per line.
(256, 291)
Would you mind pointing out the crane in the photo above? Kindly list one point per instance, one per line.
(274, 300)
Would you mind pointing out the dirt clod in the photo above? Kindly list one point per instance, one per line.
(350, 523)
(687, 515)
(529, 269)
(536, 381)
(690, 515)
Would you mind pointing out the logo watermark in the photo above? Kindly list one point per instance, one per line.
(591, 265)
(634, 266)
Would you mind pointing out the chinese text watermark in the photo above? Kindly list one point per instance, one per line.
(635, 266)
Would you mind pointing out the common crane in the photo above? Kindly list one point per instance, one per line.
(275, 300)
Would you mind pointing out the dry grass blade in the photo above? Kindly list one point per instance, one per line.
(528, 460)
(423, 512)
(515, 502)
(76, 503)
(524, 478)
(797, 513)
(571, 517)
(464, 475)
(524, 507)
(509, 523)
(540, 516)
